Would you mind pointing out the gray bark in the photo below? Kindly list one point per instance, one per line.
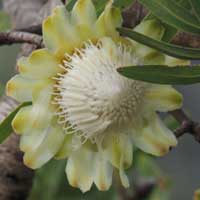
(15, 178)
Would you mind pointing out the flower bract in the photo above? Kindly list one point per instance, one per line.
(82, 109)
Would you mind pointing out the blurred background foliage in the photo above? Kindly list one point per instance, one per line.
(176, 174)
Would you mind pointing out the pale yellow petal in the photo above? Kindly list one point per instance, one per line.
(163, 98)
(34, 117)
(150, 28)
(119, 145)
(122, 174)
(83, 17)
(152, 136)
(108, 21)
(66, 148)
(21, 88)
(103, 172)
(120, 152)
(79, 169)
(31, 140)
(83, 13)
(171, 61)
(59, 34)
(52, 139)
(40, 65)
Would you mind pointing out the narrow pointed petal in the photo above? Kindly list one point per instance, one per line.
(171, 61)
(153, 136)
(103, 172)
(163, 98)
(108, 21)
(59, 34)
(120, 145)
(84, 13)
(122, 174)
(79, 169)
(120, 153)
(153, 29)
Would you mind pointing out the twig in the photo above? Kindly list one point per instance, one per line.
(36, 29)
(187, 39)
(15, 178)
(133, 15)
(143, 191)
(8, 38)
(63, 1)
(187, 125)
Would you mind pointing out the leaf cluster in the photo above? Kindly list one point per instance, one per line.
(176, 16)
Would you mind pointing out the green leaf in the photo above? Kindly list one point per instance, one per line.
(184, 3)
(178, 75)
(164, 47)
(196, 7)
(100, 4)
(5, 23)
(1, 89)
(169, 33)
(70, 4)
(5, 125)
(173, 14)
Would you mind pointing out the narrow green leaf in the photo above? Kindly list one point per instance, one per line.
(177, 75)
(196, 7)
(185, 4)
(1, 89)
(169, 33)
(169, 49)
(99, 5)
(70, 4)
(173, 14)
(5, 125)
(4, 21)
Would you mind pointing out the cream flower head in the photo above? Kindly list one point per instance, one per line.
(82, 109)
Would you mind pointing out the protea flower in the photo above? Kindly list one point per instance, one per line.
(82, 109)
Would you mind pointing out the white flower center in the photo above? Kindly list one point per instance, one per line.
(93, 97)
